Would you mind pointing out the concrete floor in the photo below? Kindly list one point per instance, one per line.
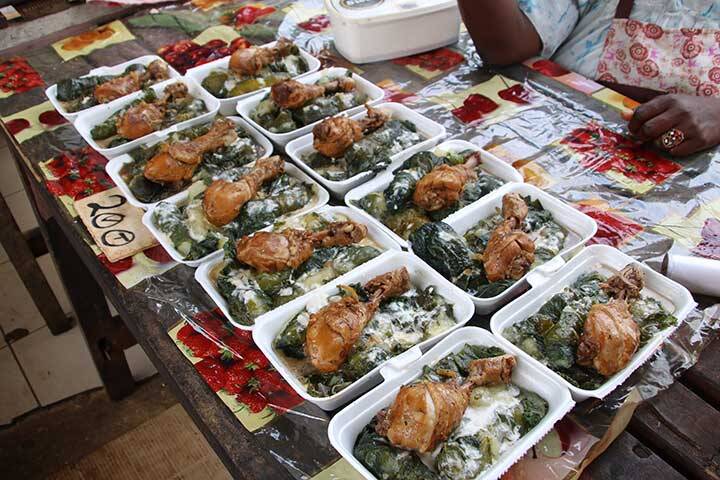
(58, 437)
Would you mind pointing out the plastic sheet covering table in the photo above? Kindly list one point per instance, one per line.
(564, 133)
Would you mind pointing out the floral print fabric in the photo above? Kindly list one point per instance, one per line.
(574, 32)
(682, 60)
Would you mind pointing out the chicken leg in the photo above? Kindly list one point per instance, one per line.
(177, 161)
(426, 413)
(335, 135)
(249, 61)
(293, 94)
(610, 338)
(275, 251)
(224, 200)
(509, 252)
(443, 185)
(131, 82)
(333, 330)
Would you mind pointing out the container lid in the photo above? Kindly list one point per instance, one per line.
(367, 11)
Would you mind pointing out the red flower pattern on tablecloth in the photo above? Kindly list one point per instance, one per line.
(231, 362)
(17, 76)
(187, 54)
(613, 229)
(51, 118)
(475, 107)
(603, 150)
(441, 59)
(549, 68)
(17, 125)
(645, 55)
(315, 24)
(118, 266)
(249, 14)
(516, 94)
(78, 173)
(158, 254)
(710, 245)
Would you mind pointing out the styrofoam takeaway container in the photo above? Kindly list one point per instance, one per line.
(115, 166)
(227, 105)
(51, 91)
(607, 261)
(489, 163)
(374, 30)
(203, 273)
(421, 277)
(580, 228)
(246, 106)
(86, 121)
(345, 427)
(432, 132)
(320, 198)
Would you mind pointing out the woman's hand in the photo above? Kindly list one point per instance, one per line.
(698, 118)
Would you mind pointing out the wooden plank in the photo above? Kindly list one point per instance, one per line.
(704, 377)
(627, 457)
(680, 427)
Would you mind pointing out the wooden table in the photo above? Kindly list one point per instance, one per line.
(672, 436)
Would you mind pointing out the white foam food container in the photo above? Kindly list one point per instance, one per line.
(86, 121)
(115, 166)
(607, 261)
(374, 30)
(421, 277)
(51, 91)
(489, 163)
(246, 106)
(345, 427)
(579, 227)
(320, 199)
(227, 105)
(204, 277)
(432, 132)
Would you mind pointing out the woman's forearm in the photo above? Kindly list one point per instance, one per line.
(500, 30)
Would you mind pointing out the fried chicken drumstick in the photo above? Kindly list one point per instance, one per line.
(442, 186)
(275, 251)
(224, 200)
(335, 135)
(426, 413)
(131, 82)
(293, 94)
(249, 61)
(509, 252)
(177, 161)
(333, 330)
(144, 118)
(610, 335)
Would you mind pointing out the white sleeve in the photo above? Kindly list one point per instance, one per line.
(553, 20)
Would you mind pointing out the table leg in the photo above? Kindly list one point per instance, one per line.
(106, 336)
(23, 259)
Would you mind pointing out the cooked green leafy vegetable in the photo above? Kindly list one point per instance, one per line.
(394, 206)
(250, 293)
(497, 417)
(275, 119)
(194, 237)
(399, 324)
(552, 335)
(372, 153)
(213, 165)
(458, 258)
(77, 94)
(227, 83)
(175, 110)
